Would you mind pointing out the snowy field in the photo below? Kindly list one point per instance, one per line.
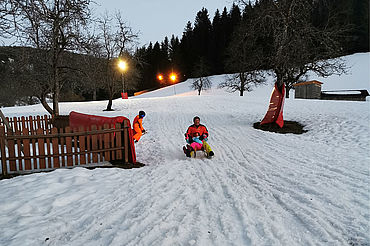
(260, 188)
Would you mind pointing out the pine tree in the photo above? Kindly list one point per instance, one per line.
(187, 49)
(202, 35)
(217, 48)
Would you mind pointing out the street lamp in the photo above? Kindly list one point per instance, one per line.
(160, 77)
(122, 65)
(173, 78)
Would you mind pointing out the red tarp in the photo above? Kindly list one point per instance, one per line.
(78, 119)
(124, 95)
(275, 111)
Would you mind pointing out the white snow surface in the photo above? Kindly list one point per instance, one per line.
(260, 188)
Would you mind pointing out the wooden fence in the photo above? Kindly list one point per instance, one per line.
(38, 149)
(32, 123)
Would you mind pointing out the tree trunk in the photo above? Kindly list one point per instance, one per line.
(46, 105)
(199, 92)
(94, 94)
(56, 53)
(110, 101)
(109, 106)
(287, 89)
(56, 98)
(279, 80)
(242, 84)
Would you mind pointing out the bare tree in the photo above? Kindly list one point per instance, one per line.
(22, 64)
(93, 63)
(55, 27)
(201, 71)
(116, 40)
(244, 59)
(298, 46)
(6, 18)
(243, 81)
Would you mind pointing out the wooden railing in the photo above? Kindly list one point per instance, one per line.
(38, 149)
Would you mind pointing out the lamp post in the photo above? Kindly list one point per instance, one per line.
(122, 65)
(173, 78)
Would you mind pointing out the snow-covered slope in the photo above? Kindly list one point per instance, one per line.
(260, 188)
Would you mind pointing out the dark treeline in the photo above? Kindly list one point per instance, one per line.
(205, 39)
(210, 38)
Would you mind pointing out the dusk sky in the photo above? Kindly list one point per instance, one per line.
(155, 19)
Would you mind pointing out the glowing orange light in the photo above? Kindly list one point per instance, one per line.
(122, 65)
(173, 77)
(160, 77)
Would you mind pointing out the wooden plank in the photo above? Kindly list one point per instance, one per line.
(94, 145)
(38, 119)
(88, 149)
(23, 124)
(48, 149)
(31, 126)
(2, 151)
(42, 123)
(69, 148)
(106, 144)
(15, 120)
(47, 129)
(26, 149)
(41, 146)
(11, 152)
(82, 143)
(75, 149)
(118, 142)
(125, 140)
(62, 151)
(55, 143)
(19, 147)
(112, 143)
(101, 144)
(33, 141)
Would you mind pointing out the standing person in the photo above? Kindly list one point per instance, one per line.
(192, 131)
(138, 128)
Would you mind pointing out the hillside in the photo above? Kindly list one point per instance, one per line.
(260, 188)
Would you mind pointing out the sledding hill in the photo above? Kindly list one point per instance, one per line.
(260, 188)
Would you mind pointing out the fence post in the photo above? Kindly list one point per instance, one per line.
(106, 144)
(126, 140)
(94, 144)
(26, 149)
(119, 142)
(54, 141)
(69, 148)
(41, 145)
(81, 141)
(2, 150)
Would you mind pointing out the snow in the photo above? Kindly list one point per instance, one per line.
(260, 188)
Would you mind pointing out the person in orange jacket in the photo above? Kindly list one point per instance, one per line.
(138, 128)
(194, 130)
